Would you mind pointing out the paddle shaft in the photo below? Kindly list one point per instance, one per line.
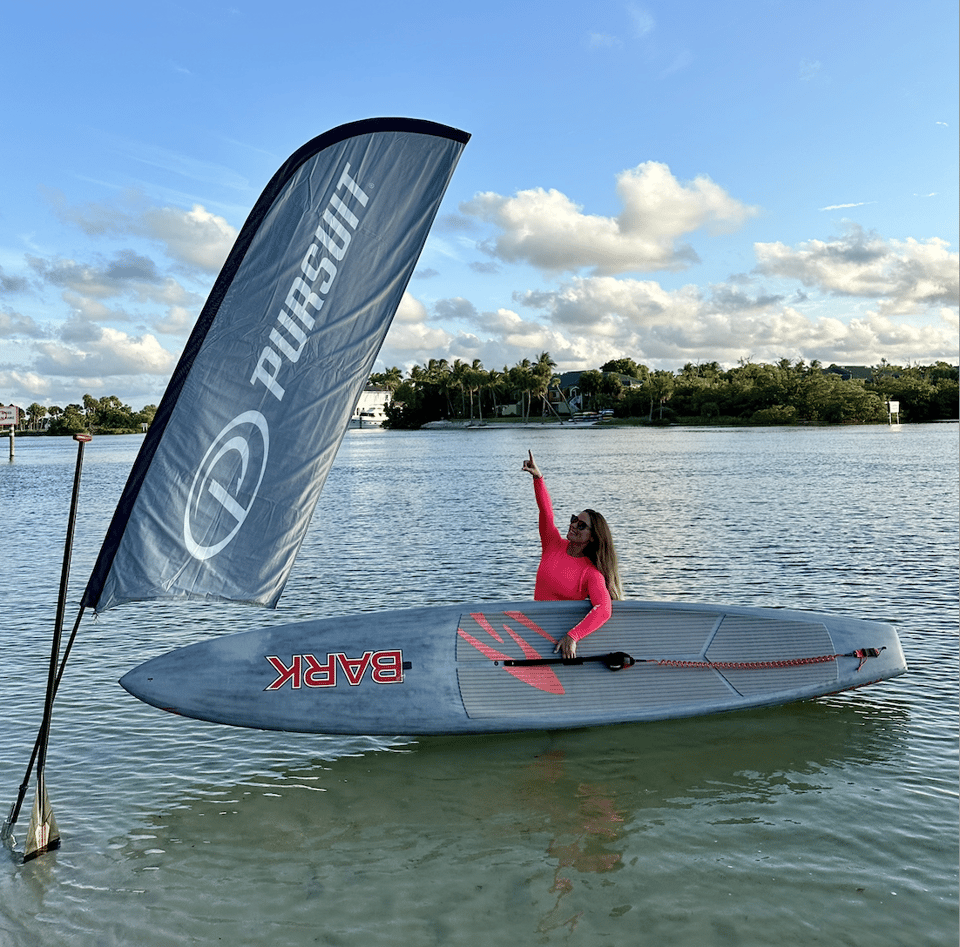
(55, 672)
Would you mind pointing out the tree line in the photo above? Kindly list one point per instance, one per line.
(108, 415)
(785, 392)
(441, 389)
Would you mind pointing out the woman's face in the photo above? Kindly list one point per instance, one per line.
(580, 529)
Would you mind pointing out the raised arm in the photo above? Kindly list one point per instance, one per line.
(549, 534)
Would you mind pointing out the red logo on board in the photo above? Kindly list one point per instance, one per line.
(542, 678)
(306, 670)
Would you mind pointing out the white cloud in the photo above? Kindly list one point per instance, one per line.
(607, 306)
(667, 328)
(91, 310)
(845, 206)
(136, 390)
(810, 69)
(547, 229)
(127, 273)
(903, 276)
(29, 386)
(178, 321)
(12, 284)
(130, 281)
(678, 63)
(642, 19)
(103, 352)
(98, 282)
(587, 321)
(603, 41)
(498, 338)
(521, 335)
(15, 325)
(411, 338)
(195, 237)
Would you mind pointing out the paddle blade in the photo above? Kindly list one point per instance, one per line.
(43, 834)
(7, 831)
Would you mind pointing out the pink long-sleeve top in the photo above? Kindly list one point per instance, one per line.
(561, 577)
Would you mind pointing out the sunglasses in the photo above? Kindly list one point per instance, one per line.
(578, 524)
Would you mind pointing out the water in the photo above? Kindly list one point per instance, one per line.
(832, 822)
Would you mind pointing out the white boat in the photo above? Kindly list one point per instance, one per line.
(371, 408)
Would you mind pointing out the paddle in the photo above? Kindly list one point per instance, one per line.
(43, 834)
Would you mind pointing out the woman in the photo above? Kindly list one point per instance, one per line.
(584, 565)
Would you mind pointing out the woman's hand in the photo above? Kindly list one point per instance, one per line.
(567, 647)
(530, 466)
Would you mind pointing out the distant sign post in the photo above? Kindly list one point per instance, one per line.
(8, 418)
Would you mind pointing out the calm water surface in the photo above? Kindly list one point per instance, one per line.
(832, 822)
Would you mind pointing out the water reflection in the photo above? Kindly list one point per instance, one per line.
(582, 823)
(547, 811)
(624, 775)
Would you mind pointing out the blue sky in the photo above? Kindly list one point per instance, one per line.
(673, 181)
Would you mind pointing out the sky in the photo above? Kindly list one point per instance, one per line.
(673, 181)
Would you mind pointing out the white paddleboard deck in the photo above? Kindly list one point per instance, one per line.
(450, 669)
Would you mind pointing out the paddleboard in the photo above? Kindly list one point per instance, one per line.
(490, 667)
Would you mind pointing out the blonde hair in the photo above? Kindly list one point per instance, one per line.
(602, 553)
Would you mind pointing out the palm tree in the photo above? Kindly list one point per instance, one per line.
(457, 380)
(390, 379)
(521, 377)
(493, 383)
(35, 414)
(438, 374)
(589, 384)
(543, 375)
(418, 375)
(661, 387)
(474, 378)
